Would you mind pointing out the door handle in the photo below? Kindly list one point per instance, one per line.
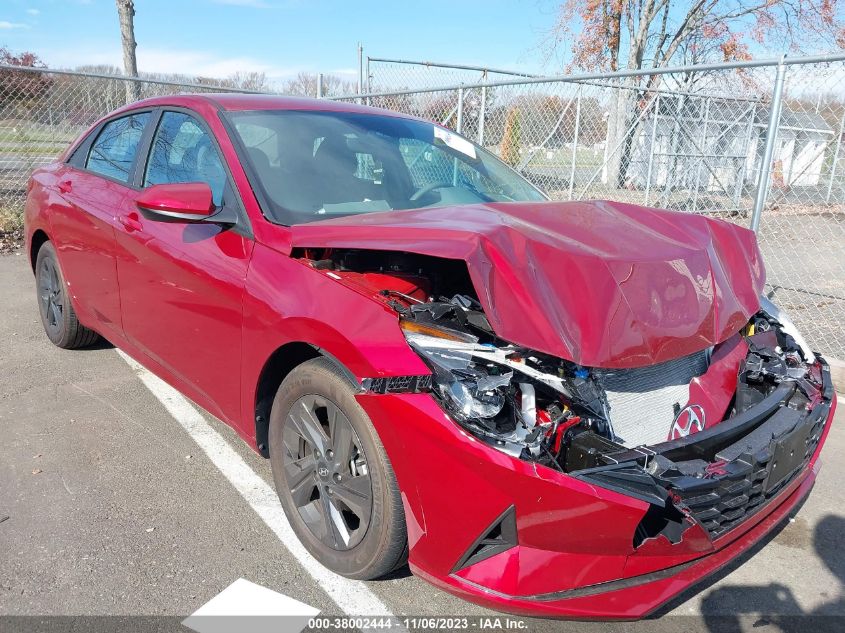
(65, 186)
(131, 222)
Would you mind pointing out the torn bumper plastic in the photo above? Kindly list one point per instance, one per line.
(637, 596)
(575, 551)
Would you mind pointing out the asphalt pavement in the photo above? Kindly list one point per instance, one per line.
(114, 508)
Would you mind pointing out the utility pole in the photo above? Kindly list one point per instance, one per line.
(126, 15)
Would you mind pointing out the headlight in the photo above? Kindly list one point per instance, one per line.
(519, 401)
(788, 327)
(471, 387)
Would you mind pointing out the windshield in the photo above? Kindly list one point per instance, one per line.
(308, 166)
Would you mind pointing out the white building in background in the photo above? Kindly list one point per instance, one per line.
(800, 151)
(716, 145)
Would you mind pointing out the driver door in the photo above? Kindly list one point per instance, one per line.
(181, 284)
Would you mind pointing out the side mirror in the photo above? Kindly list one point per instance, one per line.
(181, 202)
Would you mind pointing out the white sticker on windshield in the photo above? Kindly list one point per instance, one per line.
(455, 142)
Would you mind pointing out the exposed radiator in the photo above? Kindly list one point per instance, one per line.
(642, 400)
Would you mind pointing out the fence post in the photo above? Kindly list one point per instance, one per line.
(368, 80)
(654, 124)
(764, 179)
(835, 157)
(460, 121)
(482, 113)
(360, 68)
(319, 85)
(575, 142)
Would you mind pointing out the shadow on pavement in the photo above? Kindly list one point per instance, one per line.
(736, 563)
(773, 607)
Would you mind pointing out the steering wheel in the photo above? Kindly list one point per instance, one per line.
(419, 193)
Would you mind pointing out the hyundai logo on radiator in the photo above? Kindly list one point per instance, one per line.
(690, 419)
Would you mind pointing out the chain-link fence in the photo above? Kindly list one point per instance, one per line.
(760, 144)
(398, 74)
(757, 143)
(42, 111)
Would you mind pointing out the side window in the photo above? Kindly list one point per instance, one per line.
(182, 151)
(114, 150)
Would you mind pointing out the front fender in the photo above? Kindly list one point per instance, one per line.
(286, 301)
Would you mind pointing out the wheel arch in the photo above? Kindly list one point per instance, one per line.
(39, 238)
(276, 368)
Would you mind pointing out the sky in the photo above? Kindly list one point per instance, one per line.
(216, 38)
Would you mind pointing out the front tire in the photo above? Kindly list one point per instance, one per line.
(57, 314)
(332, 475)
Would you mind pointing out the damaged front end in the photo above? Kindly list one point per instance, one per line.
(707, 439)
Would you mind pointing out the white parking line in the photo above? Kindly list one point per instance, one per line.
(352, 596)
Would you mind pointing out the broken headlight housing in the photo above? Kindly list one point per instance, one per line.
(787, 328)
(470, 389)
(516, 400)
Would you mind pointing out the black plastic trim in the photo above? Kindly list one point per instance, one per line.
(486, 546)
(627, 478)
(347, 373)
(398, 384)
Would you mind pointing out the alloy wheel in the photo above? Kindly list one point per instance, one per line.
(326, 472)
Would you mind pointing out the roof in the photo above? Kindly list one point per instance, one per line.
(239, 101)
(203, 102)
(719, 110)
(798, 119)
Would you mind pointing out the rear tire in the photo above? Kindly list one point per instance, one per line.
(57, 314)
(332, 474)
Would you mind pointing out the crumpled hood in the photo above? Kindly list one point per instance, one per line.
(600, 283)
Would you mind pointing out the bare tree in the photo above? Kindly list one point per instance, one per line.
(305, 85)
(644, 34)
(249, 80)
(126, 15)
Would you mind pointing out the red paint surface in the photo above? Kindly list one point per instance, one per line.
(190, 198)
(638, 600)
(599, 283)
(714, 390)
(603, 284)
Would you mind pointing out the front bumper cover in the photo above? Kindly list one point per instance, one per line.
(575, 554)
(636, 596)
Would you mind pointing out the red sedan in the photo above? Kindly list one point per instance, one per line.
(568, 409)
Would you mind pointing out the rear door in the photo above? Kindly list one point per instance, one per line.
(92, 188)
(181, 284)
